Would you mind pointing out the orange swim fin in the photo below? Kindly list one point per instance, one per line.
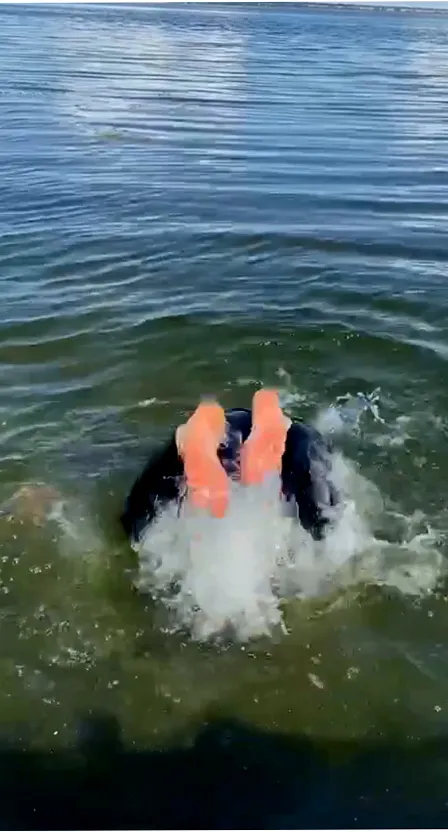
(198, 441)
(263, 450)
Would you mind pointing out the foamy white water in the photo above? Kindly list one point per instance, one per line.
(237, 573)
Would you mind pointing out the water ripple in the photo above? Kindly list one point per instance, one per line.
(244, 176)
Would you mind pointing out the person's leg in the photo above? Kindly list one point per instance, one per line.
(197, 442)
(163, 477)
(158, 485)
(262, 452)
(306, 479)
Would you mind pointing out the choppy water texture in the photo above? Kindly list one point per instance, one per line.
(201, 200)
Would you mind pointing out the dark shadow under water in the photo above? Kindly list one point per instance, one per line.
(231, 776)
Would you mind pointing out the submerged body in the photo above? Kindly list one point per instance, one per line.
(306, 486)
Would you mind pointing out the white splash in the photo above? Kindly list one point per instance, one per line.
(348, 411)
(236, 574)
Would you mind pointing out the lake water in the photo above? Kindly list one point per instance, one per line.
(202, 200)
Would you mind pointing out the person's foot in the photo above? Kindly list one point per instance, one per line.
(197, 442)
(262, 452)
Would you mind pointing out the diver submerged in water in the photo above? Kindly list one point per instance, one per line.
(215, 446)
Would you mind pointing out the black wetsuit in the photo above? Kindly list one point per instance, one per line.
(306, 487)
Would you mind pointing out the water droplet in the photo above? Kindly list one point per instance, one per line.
(318, 683)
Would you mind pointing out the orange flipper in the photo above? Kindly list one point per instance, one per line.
(198, 441)
(262, 451)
